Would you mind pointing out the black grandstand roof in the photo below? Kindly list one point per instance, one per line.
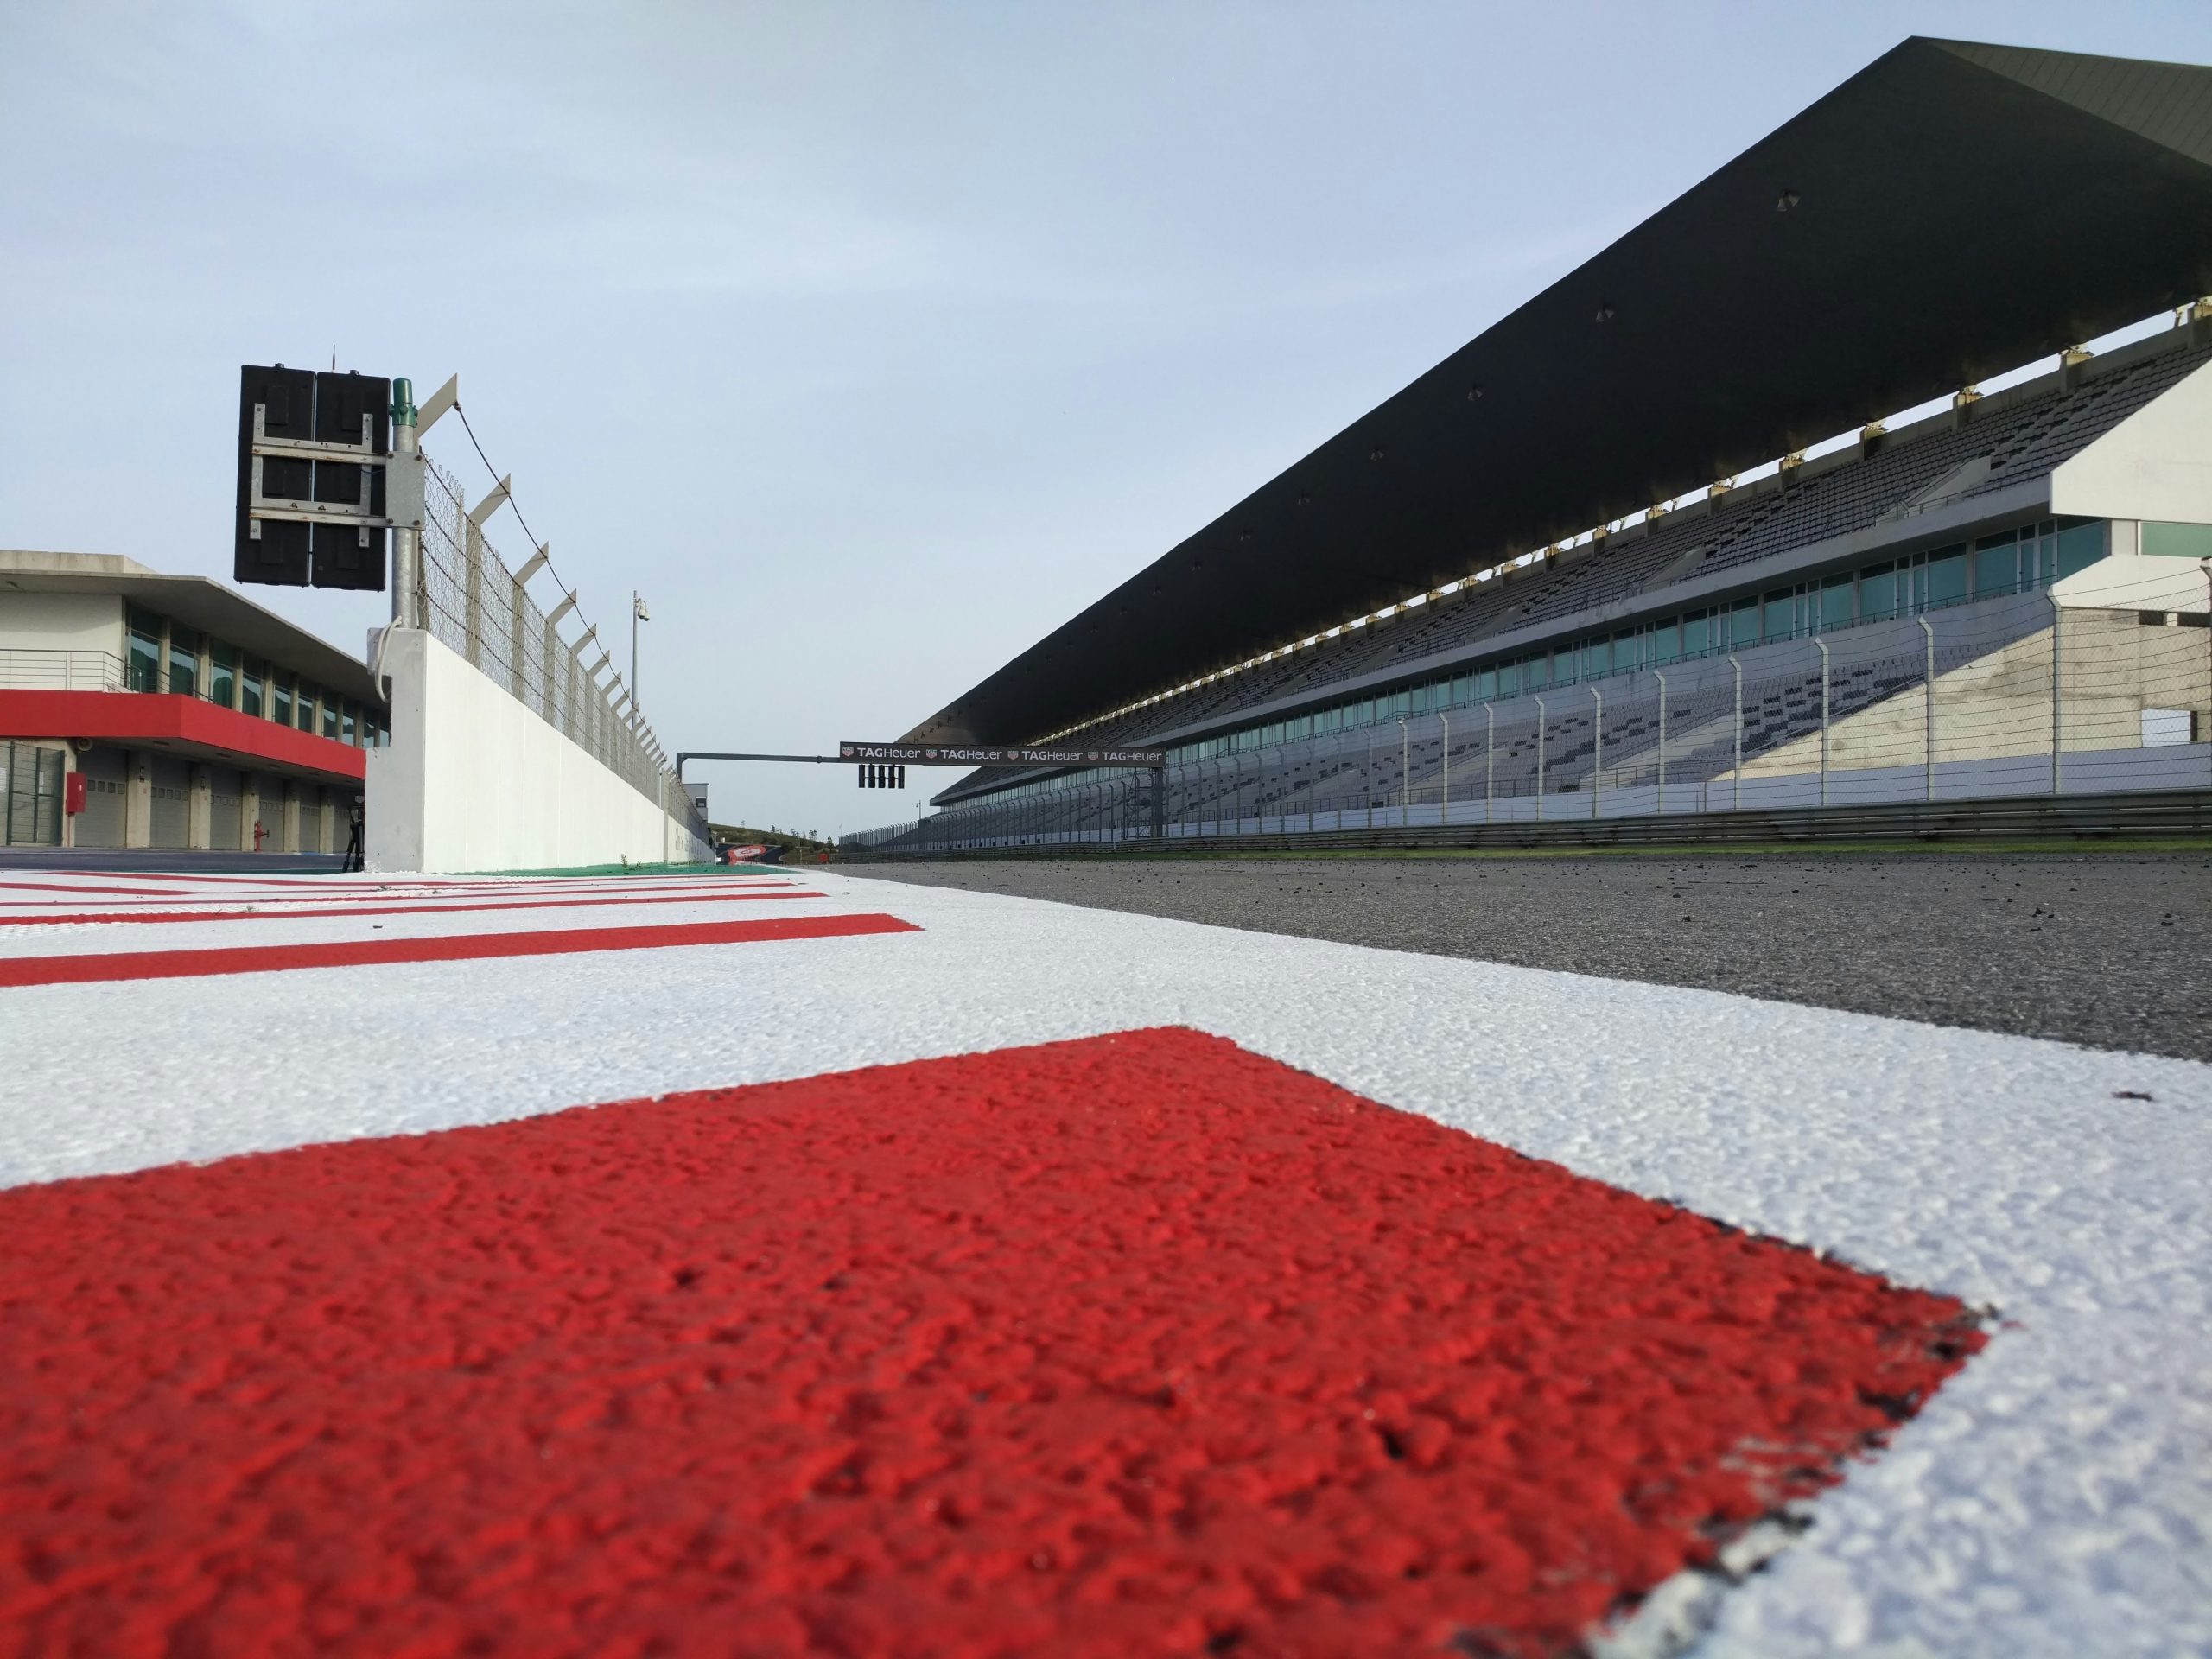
(1951, 212)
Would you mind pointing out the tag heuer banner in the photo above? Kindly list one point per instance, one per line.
(926, 754)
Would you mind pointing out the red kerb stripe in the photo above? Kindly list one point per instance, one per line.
(464, 947)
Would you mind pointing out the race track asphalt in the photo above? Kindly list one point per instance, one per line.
(2111, 950)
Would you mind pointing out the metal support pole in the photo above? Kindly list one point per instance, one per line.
(1443, 811)
(1660, 675)
(1489, 758)
(1368, 778)
(1540, 759)
(1597, 755)
(1736, 777)
(1405, 775)
(407, 607)
(1927, 718)
(1822, 646)
(472, 565)
(2057, 730)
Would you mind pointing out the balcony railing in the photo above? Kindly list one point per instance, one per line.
(27, 668)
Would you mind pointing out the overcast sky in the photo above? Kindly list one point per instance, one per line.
(870, 342)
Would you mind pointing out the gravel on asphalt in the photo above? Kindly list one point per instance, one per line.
(2108, 949)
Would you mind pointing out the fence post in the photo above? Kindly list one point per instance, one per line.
(1444, 809)
(1928, 721)
(1736, 777)
(1660, 675)
(1405, 776)
(472, 582)
(1822, 646)
(1598, 755)
(1540, 760)
(1489, 758)
(1368, 777)
(2057, 731)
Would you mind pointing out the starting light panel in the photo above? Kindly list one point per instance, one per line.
(311, 487)
(882, 777)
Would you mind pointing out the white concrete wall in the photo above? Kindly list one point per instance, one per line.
(2156, 464)
(61, 622)
(473, 780)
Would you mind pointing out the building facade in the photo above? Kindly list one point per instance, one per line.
(144, 710)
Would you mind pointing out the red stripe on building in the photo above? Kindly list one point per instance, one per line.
(461, 947)
(155, 717)
(1136, 1345)
(274, 915)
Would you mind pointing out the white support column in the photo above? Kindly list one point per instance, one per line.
(1660, 675)
(138, 799)
(199, 808)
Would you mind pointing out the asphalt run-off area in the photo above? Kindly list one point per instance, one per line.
(2109, 949)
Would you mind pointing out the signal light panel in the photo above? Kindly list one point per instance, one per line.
(883, 777)
(311, 478)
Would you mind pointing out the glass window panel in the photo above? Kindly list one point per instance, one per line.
(1628, 650)
(1877, 591)
(1744, 623)
(1403, 703)
(280, 702)
(1597, 658)
(1509, 679)
(1997, 564)
(1836, 593)
(143, 670)
(184, 666)
(222, 674)
(251, 689)
(1486, 684)
(1536, 673)
(346, 719)
(2080, 546)
(1781, 619)
(1665, 641)
(1697, 634)
(1947, 575)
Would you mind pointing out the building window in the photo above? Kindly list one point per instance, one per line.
(142, 671)
(329, 715)
(222, 674)
(280, 701)
(2178, 540)
(1744, 623)
(250, 687)
(303, 706)
(184, 662)
(347, 728)
(1947, 575)
(2080, 546)
(1997, 564)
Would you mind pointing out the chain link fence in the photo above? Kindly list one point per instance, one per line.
(2014, 695)
(474, 605)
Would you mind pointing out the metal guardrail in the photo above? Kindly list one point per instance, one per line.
(2136, 814)
(475, 606)
(49, 669)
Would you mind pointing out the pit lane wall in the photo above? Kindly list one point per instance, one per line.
(473, 779)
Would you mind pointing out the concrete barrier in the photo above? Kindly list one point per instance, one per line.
(474, 779)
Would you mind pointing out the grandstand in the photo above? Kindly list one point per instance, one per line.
(1585, 568)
